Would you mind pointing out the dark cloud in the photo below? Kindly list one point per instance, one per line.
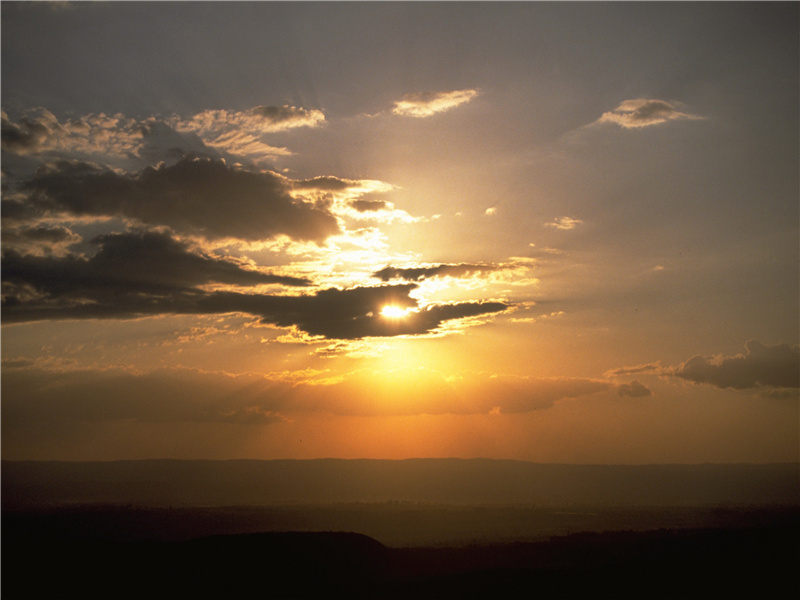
(149, 274)
(634, 389)
(49, 234)
(760, 366)
(129, 269)
(196, 196)
(21, 138)
(39, 240)
(770, 366)
(369, 205)
(325, 183)
(352, 313)
(419, 273)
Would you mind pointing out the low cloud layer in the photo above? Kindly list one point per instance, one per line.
(33, 395)
(426, 104)
(644, 112)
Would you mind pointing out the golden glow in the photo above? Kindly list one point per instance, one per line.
(394, 312)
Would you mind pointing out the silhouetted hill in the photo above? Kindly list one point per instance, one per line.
(443, 481)
(752, 563)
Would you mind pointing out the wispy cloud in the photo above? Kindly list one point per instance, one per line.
(644, 112)
(243, 132)
(564, 223)
(426, 104)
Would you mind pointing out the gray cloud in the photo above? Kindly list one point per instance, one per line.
(150, 274)
(443, 270)
(196, 196)
(129, 272)
(634, 389)
(23, 137)
(369, 205)
(760, 365)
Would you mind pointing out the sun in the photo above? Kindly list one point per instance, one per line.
(394, 312)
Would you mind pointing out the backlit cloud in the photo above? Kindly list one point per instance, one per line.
(564, 223)
(149, 274)
(644, 112)
(243, 132)
(201, 197)
(425, 104)
(443, 270)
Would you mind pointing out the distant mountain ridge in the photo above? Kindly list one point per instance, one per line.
(446, 481)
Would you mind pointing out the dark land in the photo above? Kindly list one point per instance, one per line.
(398, 529)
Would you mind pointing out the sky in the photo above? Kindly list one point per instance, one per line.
(552, 232)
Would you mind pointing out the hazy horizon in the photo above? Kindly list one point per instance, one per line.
(552, 232)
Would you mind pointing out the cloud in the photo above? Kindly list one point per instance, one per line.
(564, 223)
(33, 395)
(634, 389)
(649, 368)
(426, 104)
(443, 270)
(366, 206)
(141, 274)
(128, 269)
(131, 143)
(39, 240)
(242, 132)
(115, 140)
(644, 112)
(36, 395)
(199, 196)
(760, 365)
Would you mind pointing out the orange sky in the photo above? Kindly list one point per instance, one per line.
(590, 240)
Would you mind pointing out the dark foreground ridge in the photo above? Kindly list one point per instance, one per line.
(752, 563)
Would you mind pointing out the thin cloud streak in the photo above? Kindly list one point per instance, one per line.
(427, 104)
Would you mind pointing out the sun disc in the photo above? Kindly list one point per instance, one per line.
(394, 312)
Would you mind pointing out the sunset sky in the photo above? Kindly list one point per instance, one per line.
(556, 232)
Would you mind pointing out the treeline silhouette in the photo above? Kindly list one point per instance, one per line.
(752, 563)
